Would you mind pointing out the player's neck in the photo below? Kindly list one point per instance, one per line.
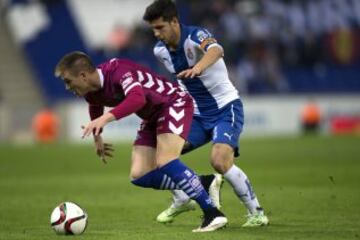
(95, 82)
(174, 45)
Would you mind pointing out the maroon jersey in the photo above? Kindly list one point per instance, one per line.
(132, 88)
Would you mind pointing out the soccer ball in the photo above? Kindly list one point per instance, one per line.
(68, 219)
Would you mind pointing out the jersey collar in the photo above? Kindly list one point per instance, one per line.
(101, 77)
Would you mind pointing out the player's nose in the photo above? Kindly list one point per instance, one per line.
(156, 33)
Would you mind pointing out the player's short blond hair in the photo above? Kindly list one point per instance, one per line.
(74, 62)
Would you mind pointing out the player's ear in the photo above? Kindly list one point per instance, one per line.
(82, 75)
(174, 20)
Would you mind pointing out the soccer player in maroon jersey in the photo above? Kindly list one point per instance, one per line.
(166, 111)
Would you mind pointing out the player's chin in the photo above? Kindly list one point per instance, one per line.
(79, 94)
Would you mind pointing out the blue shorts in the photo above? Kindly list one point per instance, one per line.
(225, 127)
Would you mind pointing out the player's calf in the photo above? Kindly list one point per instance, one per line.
(182, 203)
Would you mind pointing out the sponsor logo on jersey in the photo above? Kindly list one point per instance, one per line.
(126, 75)
(127, 82)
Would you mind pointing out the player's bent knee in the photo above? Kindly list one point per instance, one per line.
(221, 161)
(222, 157)
(187, 148)
(219, 165)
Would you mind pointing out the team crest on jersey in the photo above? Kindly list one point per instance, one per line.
(189, 54)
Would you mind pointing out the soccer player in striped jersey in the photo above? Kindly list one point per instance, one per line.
(195, 58)
(166, 111)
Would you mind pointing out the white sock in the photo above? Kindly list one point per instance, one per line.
(179, 197)
(242, 187)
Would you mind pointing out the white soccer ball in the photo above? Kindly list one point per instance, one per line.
(68, 219)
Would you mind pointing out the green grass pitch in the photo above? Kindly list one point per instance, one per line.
(309, 187)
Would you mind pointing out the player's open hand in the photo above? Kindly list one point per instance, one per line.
(103, 150)
(96, 125)
(189, 73)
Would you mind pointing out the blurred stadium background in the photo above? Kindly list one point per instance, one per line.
(293, 61)
(281, 55)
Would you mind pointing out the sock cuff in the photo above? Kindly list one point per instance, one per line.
(235, 171)
(231, 171)
(171, 165)
(145, 180)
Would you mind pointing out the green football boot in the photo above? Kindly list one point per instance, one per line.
(168, 215)
(212, 185)
(256, 220)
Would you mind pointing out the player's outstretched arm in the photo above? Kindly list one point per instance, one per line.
(210, 57)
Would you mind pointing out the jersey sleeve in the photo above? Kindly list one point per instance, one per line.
(204, 39)
(134, 96)
(158, 52)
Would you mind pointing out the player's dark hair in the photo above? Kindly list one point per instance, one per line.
(161, 8)
(74, 62)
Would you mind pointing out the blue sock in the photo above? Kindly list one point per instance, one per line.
(155, 179)
(187, 181)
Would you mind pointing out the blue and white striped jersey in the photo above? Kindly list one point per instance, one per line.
(213, 89)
